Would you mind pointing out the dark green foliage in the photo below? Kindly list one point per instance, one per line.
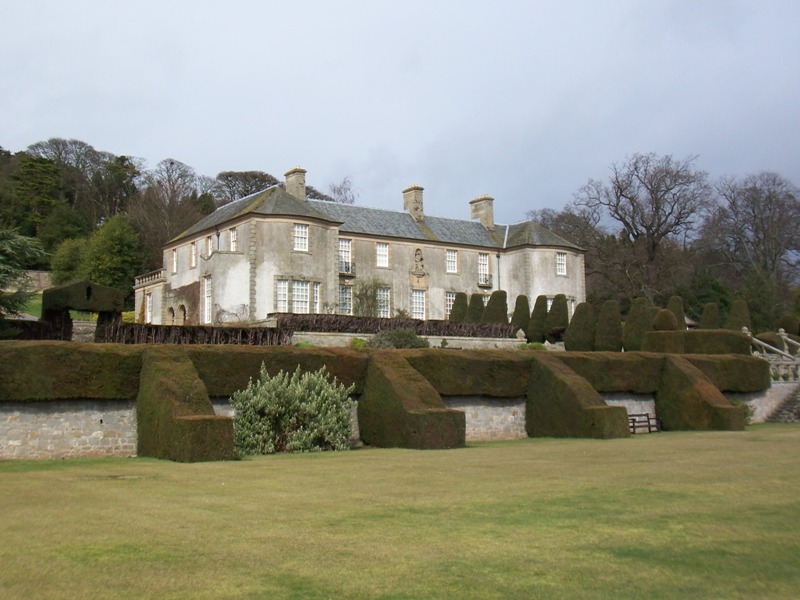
(459, 311)
(475, 308)
(639, 322)
(522, 313)
(789, 324)
(496, 310)
(710, 317)
(580, 333)
(557, 319)
(114, 255)
(534, 332)
(304, 412)
(398, 338)
(665, 321)
(17, 254)
(739, 316)
(700, 341)
(68, 261)
(608, 336)
(728, 373)
(675, 305)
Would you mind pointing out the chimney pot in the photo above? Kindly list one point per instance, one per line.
(412, 201)
(482, 208)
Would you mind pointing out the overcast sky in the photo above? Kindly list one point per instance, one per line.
(521, 100)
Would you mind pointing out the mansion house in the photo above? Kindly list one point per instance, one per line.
(276, 251)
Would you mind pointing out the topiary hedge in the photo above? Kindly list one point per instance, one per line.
(675, 306)
(638, 322)
(534, 332)
(579, 336)
(496, 310)
(738, 316)
(608, 335)
(699, 341)
(522, 314)
(557, 319)
(458, 313)
(475, 308)
(710, 317)
(665, 321)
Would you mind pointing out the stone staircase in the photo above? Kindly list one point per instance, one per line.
(789, 411)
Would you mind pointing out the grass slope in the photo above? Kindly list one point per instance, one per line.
(671, 515)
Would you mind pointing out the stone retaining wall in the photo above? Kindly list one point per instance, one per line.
(64, 429)
(490, 418)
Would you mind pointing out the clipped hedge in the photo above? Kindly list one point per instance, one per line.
(534, 332)
(699, 341)
(579, 336)
(638, 322)
(675, 306)
(458, 313)
(710, 317)
(665, 321)
(522, 314)
(496, 310)
(608, 334)
(475, 309)
(555, 325)
(738, 316)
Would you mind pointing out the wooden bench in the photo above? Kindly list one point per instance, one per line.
(642, 422)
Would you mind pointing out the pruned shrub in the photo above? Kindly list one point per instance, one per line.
(710, 317)
(557, 319)
(534, 332)
(665, 321)
(475, 308)
(398, 338)
(608, 336)
(522, 313)
(639, 322)
(459, 311)
(302, 412)
(675, 305)
(579, 336)
(789, 325)
(496, 310)
(358, 343)
(738, 316)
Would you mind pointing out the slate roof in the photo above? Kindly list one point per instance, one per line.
(355, 219)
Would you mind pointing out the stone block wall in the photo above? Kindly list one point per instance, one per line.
(64, 429)
(490, 418)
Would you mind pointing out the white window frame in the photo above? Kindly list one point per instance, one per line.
(148, 310)
(345, 303)
(384, 302)
(382, 254)
(484, 277)
(451, 261)
(208, 300)
(193, 255)
(345, 255)
(418, 304)
(174, 260)
(233, 239)
(315, 298)
(300, 237)
(282, 295)
(300, 297)
(209, 245)
(449, 299)
(561, 263)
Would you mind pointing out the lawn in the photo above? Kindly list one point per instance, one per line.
(33, 306)
(669, 515)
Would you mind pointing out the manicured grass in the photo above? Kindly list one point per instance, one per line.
(33, 306)
(670, 515)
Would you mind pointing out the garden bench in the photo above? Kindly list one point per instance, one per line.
(642, 421)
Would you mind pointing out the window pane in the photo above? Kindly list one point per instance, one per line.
(300, 297)
(234, 240)
(301, 237)
(282, 296)
(483, 269)
(418, 304)
(207, 314)
(345, 262)
(452, 261)
(193, 254)
(449, 298)
(384, 310)
(345, 300)
(381, 254)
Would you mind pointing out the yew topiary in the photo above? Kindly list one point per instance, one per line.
(665, 321)
(789, 325)
(522, 313)
(475, 308)
(496, 310)
(608, 336)
(459, 311)
(639, 322)
(534, 332)
(710, 317)
(675, 305)
(738, 316)
(557, 319)
(579, 336)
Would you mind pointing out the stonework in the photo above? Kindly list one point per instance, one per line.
(65, 429)
(490, 418)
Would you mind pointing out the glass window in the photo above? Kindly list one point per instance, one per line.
(561, 263)
(345, 256)
(234, 240)
(449, 298)
(301, 237)
(300, 297)
(282, 296)
(193, 255)
(483, 269)
(345, 300)
(549, 304)
(316, 298)
(148, 312)
(209, 246)
(451, 262)
(381, 254)
(418, 304)
(207, 300)
(384, 307)
(174, 261)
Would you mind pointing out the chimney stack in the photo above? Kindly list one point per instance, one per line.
(412, 201)
(296, 182)
(482, 208)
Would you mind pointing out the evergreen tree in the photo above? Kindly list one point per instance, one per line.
(580, 333)
(459, 311)
(675, 305)
(639, 322)
(496, 310)
(522, 314)
(114, 255)
(739, 316)
(665, 321)
(608, 336)
(789, 325)
(535, 329)
(710, 317)
(17, 254)
(68, 262)
(475, 308)
(557, 319)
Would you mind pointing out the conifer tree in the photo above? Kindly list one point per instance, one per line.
(608, 336)
(665, 321)
(675, 305)
(639, 322)
(738, 316)
(522, 314)
(557, 319)
(534, 332)
(710, 317)
(475, 308)
(459, 311)
(496, 310)
(579, 336)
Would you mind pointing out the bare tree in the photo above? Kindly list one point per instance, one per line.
(343, 191)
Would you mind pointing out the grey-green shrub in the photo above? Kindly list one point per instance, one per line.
(302, 412)
(675, 305)
(710, 317)
(398, 338)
